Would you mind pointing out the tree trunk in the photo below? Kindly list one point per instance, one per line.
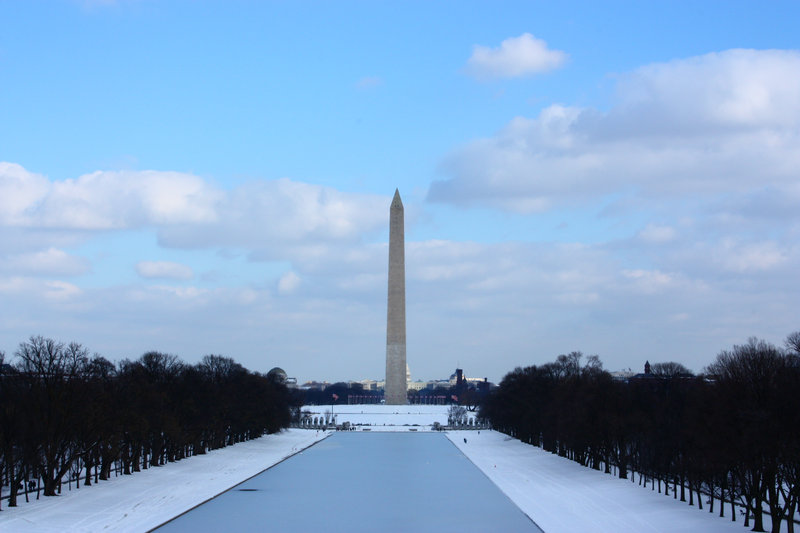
(623, 469)
(758, 516)
(88, 462)
(775, 507)
(13, 486)
(105, 467)
(136, 454)
(12, 483)
(790, 515)
(50, 487)
(711, 493)
(747, 513)
(126, 460)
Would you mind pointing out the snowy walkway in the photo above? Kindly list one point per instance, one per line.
(561, 496)
(149, 498)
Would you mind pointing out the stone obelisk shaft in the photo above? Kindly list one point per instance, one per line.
(395, 389)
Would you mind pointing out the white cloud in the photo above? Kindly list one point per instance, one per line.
(726, 122)
(515, 57)
(649, 281)
(61, 290)
(653, 233)
(195, 295)
(50, 261)
(163, 270)
(488, 307)
(288, 283)
(266, 218)
(737, 256)
(37, 291)
(20, 192)
(735, 88)
(104, 200)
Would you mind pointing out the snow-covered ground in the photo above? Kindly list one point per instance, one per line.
(558, 494)
(149, 498)
(380, 417)
(561, 496)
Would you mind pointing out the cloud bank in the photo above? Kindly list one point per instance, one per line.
(186, 210)
(163, 270)
(726, 122)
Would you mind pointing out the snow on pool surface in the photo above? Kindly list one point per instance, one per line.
(364, 482)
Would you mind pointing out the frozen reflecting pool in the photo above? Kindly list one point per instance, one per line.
(376, 482)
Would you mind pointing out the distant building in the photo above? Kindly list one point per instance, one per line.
(646, 376)
(417, 385)
(314, 385)
(278, 375)
(368, 384)
(458, 379)
(622, 375)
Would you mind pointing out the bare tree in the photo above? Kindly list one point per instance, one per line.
(793, 342)
(52, 371)
(456, 415)
(750, 373)
(670, 369)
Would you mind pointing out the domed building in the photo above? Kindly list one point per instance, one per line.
(277, 374)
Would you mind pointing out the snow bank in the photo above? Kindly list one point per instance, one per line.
(385, 417)
(562, 496)
(151, 497)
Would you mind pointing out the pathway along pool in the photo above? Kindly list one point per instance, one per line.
(353, 482)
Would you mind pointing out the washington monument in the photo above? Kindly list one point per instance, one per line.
(395, 388)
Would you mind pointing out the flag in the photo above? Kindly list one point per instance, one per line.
(454, 397)
(335, 397)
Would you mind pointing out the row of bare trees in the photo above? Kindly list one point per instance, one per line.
(67, 415)
(731, 434)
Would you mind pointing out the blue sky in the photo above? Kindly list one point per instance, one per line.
(619, 178)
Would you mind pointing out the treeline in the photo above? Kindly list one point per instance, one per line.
(68, 416)
(731, 434)
(340, 393)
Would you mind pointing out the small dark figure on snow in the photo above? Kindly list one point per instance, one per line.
(465, 440)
